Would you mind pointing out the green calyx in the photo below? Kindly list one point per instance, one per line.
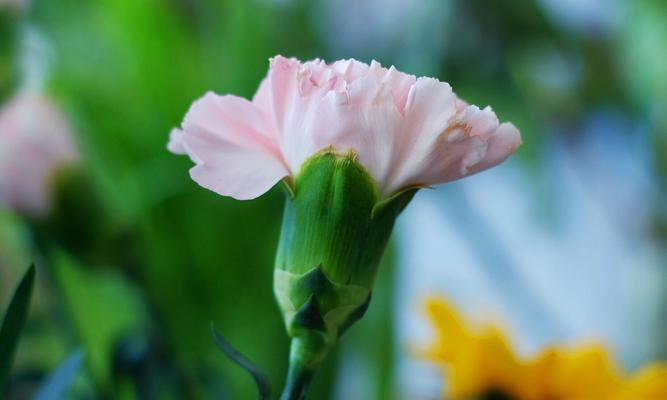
(335, 219)
(316, 311)
(312, 303)
(334, 232)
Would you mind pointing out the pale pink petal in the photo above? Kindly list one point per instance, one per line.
(472, 141)
(262, 97)
(234, 119)
(233, 145)
(501, 140)
(235, 171)
(315, 75)
(400, 85)
(449, 160)
(429, 107)
(364, 120)
(283, 91)
(295, 95)
(504, 141)
(480, 122)
(175, 144)
(350, 69)
(405, 131)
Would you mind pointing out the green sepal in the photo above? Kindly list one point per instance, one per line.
(394, 204)
(316, 311)
(335, 218)
(312, 302)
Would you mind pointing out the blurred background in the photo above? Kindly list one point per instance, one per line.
(564, 243)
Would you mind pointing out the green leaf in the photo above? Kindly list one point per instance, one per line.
(12, 324)
(263, 386)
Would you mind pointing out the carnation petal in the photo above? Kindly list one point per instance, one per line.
(238, 173)
(350, 69)
(405, 131)
(504, 141)
(368, 123)
(233, 119)
(233, 145)
(456, 142)
(429, 107)
(400, 84)
(175, 144)
(292, 96)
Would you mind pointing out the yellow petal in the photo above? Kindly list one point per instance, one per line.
(648, 384)
(452, 337)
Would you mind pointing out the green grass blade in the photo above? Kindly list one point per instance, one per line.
(12, 324)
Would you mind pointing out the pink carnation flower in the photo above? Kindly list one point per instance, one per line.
(406, 131)
(35, 141)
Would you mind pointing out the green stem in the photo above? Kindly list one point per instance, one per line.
(306, 353)
(298, 382)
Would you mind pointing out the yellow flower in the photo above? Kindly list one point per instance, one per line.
(480, 363)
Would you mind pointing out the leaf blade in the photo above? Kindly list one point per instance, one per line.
(263, 386)
(13, 322)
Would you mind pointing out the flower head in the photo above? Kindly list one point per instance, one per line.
(353, 142)
(35, 143)
(405, 131)
(480, 363)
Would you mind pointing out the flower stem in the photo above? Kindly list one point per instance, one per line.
(306, 353)
(298, 381)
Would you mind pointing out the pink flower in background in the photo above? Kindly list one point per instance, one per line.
(405, 131)
(18, 5)
(35, 142)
